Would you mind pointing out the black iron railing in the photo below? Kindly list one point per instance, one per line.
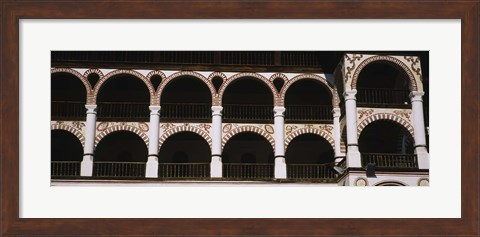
(64, 110)
(119, 169)
(65, 168)
(186, 111)
(382, 97)
(250, 171)
(343, 163)
(308, 113)
(236, 112)
(310, 171)
(383, 160)
(183, 170)
(123, 110)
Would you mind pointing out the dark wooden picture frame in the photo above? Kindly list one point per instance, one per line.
(12, 11)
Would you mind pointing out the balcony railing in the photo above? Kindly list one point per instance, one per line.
(65, 168)
(248, 113)
(310, 171)
(186, 111)
(123, 110)
(119, 169)
(382, 97)
(308, 113)
(66, 110)
(390, 160)
(250, 171)
(184, 170)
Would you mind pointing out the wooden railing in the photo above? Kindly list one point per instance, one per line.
(65, 168)
(119, 169)
(310, 171)
(383, 160)
(65, 110)
(186, 111)
(123, 110)
(183, 170)
(248, 171)
(308, 113)
(383, 97)
(235, 112)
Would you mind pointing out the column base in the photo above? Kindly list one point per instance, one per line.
(280, 168)
(86, 167)
(354, 159)
(216, 167)
(151, 169)
(423, 157)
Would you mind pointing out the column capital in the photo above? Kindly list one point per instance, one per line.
(416, 95)
(217, 110)
(154, 109)
(350, 94)
(336, 112)
(278, 110)
(91, 109)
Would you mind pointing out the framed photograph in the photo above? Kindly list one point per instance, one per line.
(239, 118)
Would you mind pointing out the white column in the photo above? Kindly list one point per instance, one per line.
(419, 130)
(337, 135)
(86, 168)
(216, 133)
(280, 165)
(152, 163)
(353, 155)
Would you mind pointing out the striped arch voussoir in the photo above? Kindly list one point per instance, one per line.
(251, 75)
(116, 128)
(335, 99)
(70, 129)
(395, 61)
(319, 132)
(253, 129)
(385, 116)
(172, 77)
(81, 77)
(179, 129)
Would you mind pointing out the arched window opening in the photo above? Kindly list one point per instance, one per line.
(186, 98)
(121, 154)
(217, 82)
(176, 162)
(66, 154)
(69, 96)
(93, 79)
(388, 145)
(156, 80)
(310, 156)
(248, 100)
(248, 156)
(123, 98)
(383, 84)
(278, 83)
(308, 101)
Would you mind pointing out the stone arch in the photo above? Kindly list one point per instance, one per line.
(136, 74)
(395, 182)
(248, 128)
(283, 92)
(251, 75)
(172, 77)
(184, 128)
(93, 70)
(157, 73)
(82, 78)
(71, 130)
(395, 61)
(278, 75)
(217, 74)
(319, 132)
(385, 116)
(116, 128)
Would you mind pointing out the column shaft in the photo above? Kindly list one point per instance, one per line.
(216, 134)
(353, 155)
(153, 135)
(86, 167)
(419, 130)
(280, 164)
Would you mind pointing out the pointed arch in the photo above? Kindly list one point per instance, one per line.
(319, 132)
(185, 128)
(248, 128)
(249, 75)
(71, 130)
(133, 73)
(413, 83)
(116, 128)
